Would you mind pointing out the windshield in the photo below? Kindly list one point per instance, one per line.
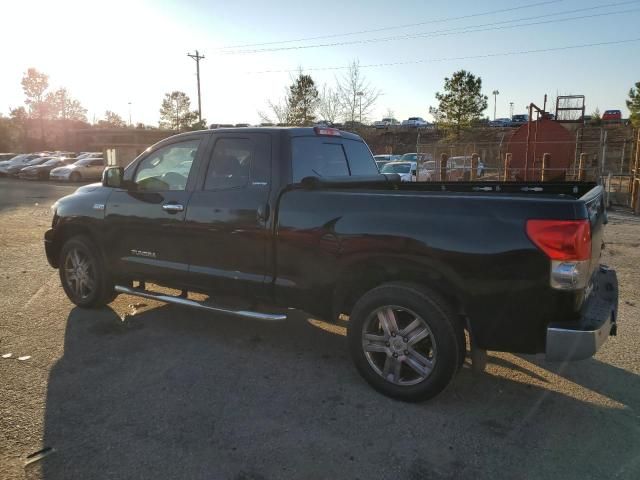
(53, 161)
(35, 161)
(409, 157)
(396, 168)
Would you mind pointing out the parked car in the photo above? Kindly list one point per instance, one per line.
(500, 123)
(7, 156)
(42, 171)
(520, 119)
(386, 123)
(405, 170)
(14, 170)
(382, 160)
(415, 122)
(82, 170)
(458, 168)
(242, 125)
(299, 218)
(612, 116)
(21, 159)
(409, 157)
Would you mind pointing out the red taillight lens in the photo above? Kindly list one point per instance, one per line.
(561, 239)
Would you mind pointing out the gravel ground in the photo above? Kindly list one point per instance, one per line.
(173, 393)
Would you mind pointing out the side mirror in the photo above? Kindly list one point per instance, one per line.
(113, 177)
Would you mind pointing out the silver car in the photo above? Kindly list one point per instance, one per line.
(84, 169)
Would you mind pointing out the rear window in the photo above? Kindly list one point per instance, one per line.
(325, 157)
(360, 159)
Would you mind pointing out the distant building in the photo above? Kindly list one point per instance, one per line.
(119, 145)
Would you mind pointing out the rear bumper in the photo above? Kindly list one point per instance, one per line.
(582, 339)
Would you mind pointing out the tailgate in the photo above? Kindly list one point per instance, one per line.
(597, 215)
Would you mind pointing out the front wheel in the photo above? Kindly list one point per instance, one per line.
(74, 177)
(84, 277)
(403, 339)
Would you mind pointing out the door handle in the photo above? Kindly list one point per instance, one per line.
(172, 207)
(263, 213)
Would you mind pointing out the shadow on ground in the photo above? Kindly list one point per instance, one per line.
(179, 394)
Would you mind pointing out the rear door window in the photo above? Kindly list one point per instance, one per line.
(239, 161)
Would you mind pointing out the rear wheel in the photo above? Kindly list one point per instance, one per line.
(84, 277)
(404, 341)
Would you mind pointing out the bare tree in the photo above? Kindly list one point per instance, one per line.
(278, 110)
(356, 95)
(390, 113)
(329, 107)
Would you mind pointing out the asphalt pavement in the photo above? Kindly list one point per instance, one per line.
(145, 390)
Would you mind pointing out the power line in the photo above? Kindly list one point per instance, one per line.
(457, 30)
(394, 27)
(445, 59)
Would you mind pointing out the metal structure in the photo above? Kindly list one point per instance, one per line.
(532, 141)
(570, 108)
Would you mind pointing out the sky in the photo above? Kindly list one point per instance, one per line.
(124, 55)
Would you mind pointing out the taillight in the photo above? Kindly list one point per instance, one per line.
(332, 132)
(567, 243)
(561, 239)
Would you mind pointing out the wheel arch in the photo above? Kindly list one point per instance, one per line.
(72, 229)
(358, 277)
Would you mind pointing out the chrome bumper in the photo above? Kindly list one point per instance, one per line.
(598, 321)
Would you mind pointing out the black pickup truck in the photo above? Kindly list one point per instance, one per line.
(263, 220)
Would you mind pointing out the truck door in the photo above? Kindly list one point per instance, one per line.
(145, 222)
(228, 216)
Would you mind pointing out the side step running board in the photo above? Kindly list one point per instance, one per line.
(203, 306)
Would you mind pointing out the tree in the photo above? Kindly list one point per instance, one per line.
(279, 109)
(59, 105)
(390, 113)
(596, 118)
(356, 95)
(329, 104)
(302, 100)
(34, 84)
(176, 113)
(112, 120)
(462, 101)
(633, 104)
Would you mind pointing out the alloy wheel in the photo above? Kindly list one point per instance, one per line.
(399, 345)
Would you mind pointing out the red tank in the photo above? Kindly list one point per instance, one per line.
(545, 136)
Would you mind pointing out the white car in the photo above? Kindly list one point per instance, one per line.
(406, 170)
(386, 123)
(84, 169)
(415, 122)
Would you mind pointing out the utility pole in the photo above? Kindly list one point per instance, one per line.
(495, 101)
(197, 57)
(360, 97)
(130, 124)
(177, 116)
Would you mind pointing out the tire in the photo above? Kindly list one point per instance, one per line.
(425, 343)
(75, 177)
(83, 274)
